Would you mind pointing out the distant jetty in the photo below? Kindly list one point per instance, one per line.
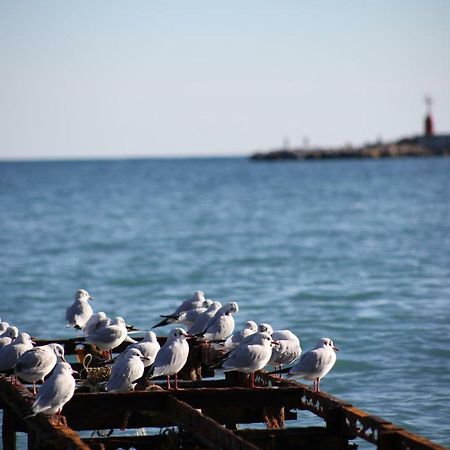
(419, 146)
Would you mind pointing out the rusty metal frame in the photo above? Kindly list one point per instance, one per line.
(200, 408)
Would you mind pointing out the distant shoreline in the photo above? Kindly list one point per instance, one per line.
(419, 146)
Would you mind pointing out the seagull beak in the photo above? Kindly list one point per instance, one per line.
(90, 298)
(74, 372)
(275, 344)
(145, 358)
(335, 349)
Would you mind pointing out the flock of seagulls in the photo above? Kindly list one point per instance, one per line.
(247, 350)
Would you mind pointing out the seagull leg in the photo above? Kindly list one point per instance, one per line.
(34, 387)
(176, 381)
(168, 381)
(252, 379)
(316, 385)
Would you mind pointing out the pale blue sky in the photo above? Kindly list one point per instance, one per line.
(145, 78)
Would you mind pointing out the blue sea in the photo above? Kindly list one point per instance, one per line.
(355, 250)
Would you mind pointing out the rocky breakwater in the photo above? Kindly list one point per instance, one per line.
(405, 147)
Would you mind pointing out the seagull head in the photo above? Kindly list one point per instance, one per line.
(58, 350)
(327, 343)
(250, 325)
(150, 336)
(214, 306)
(199, 296)
(230, 308)
(82, 294)
(11, 332)
(264, 338)
(23, 338)
(118, 321)
(64, 367)
(265, 327)
(178, 334)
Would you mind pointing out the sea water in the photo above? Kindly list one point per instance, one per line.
(355, 250)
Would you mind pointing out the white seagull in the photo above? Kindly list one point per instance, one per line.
(95, 322)
(237, 338)
(222, 324)
(172, 356)
(9, 354)
(315, 364)
(186, 317)
(3, 326)
(35, 364)
(56, 391)
(126, 371)
(149, 347)
(111, 336)
(203, 319)
(287, 350)
(195, 301)
(8, 336)
(248, 358)
(78, 313)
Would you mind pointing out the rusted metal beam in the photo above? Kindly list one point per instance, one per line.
(56, 436)
(166, 441)
(8, 430)
(227, 405)
(311, 438)
(205, 429)
(353, 421)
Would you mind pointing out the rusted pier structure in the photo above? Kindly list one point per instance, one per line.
(202, 414)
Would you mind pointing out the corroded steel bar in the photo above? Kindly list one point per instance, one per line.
(227, 405)
(56, 436)
(355, 422)
(206, 430)
(8, 430)
(311, 438)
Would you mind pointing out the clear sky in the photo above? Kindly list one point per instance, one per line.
(107, 78)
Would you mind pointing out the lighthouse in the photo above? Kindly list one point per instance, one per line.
(428, 123)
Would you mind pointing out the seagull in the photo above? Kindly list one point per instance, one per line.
(172, 356)
(203, 319)
(237, 338)
(126, 371)
(314, 364)
(111, 336)
(9, 354)
(194, 302)
(222, 324)
(185, 317)
(56, 391)
(287, 350)
(3, 326)
(149, 347)
(35, 364)
(248, 358)
(8, 336)
(78, 313)
(96, 321)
